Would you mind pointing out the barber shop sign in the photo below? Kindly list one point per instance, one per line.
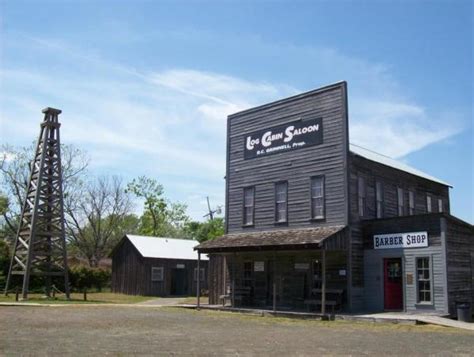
(291, 136)
(401, 240)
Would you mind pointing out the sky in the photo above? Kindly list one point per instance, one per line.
(146, 86)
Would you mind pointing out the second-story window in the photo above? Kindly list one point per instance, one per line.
(400, 201)
(317, 197)
(440, 205)
(249, 205)
(281, 202)
(411, 203)
(361, 195)
(379, 199)
(429, 207)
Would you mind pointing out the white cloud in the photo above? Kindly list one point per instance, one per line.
(170, 124)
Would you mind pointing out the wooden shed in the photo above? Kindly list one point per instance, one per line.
(156, 266)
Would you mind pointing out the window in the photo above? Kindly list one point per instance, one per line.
(411, 203)
(281, 202)
(156, 273)
(429, 208)
(400, 201)
(423, 277)
(249, 205)
(440, 205)
(361, 195)
(317, 197)
(379, 198)
(201, 275)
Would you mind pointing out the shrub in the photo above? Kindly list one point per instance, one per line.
(82, 277)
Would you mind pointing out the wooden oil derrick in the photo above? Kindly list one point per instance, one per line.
(40, 245)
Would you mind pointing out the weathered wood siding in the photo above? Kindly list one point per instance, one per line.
(460, 263)
(127, 270)
(131, 273)
(297, 166)
(391, 179)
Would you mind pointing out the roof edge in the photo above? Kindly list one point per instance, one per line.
(289, 99)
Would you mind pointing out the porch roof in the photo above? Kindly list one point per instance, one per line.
(276, 240)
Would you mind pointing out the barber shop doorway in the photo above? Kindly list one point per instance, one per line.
(393, 284)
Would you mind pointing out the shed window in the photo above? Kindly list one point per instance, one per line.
(317, 197)
(440, 205)
(361, 195)
(249, 205)
(281, 202)
(429, 208)
(201, 275)
(411, 202)
(157, 274)
(379, 198)
(423, 276)
(400, 201)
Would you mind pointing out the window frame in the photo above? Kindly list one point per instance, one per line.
(400, 201)
(429, 203)
(161, 274)
(361, 199)
(312, 199)
(440, 205)
(379, 199)
(430, 271)
(244, 207)
(202, 274)
(285, 202)
(411, 200)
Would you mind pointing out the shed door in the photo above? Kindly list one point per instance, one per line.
(178, 282)
(393, 284)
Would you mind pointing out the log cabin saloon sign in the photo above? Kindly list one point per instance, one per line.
(291, 136)
(401, 240)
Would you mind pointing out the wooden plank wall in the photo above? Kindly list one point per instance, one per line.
(460, 252)
(391, 179)
(131, 273)
(297, 166)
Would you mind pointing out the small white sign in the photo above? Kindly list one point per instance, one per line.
(179, 266)
(342, 272)
(301, 266)
(401, 240)
(259, 266)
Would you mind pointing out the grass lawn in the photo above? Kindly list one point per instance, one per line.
(92, 297)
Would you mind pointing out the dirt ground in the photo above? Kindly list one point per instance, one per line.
(116, 330)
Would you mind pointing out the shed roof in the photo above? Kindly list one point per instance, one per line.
(388, 161)
(165, 248)
(271, 239)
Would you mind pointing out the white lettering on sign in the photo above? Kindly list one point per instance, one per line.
(294, 135)
(401, 240)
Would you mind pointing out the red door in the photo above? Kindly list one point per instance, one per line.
(393, 284)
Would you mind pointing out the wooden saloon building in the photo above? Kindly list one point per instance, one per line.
(316, 224)
(157, 267)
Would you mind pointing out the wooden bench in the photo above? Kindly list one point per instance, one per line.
(239, 295)
(333, 299)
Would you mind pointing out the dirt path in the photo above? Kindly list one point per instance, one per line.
(117, 330)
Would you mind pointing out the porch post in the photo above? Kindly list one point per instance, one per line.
(323, 280)
(233, 280)
(274, 283)
(198, 279)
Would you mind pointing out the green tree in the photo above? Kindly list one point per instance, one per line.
(203, 231)
(161, 217)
